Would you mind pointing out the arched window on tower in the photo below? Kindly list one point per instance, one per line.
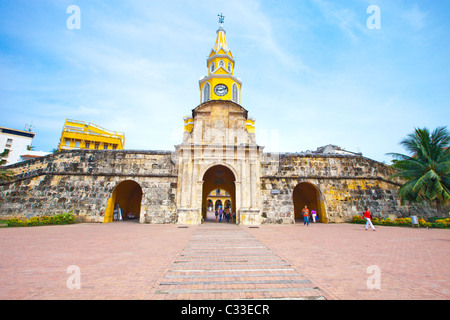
(221, 64)
(235, 93)
(206, 92)
(229, 67)
(213, 67)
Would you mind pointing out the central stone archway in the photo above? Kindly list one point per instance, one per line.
(218, 177)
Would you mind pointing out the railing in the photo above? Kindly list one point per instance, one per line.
(117, 133)
(95, 134)
(76, 121)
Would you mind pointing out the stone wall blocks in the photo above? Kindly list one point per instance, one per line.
(85, 180)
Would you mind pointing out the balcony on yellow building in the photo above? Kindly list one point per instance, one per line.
(80, 135)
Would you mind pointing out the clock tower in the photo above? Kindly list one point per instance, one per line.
(220, 83)
(219, 150)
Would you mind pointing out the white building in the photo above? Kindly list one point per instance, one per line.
(333, 149)
(16, 141)
(28, 155)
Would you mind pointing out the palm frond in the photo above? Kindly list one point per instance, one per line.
(427, 168)
(443, 168)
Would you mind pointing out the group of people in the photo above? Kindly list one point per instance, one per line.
(307, 215)
(225, 215)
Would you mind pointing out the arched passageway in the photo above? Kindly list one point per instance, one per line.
(218, 204)
(127, 196)
(215, 178)
(306, 194)
(210, 205)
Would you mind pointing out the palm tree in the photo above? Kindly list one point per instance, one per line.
(427, 170)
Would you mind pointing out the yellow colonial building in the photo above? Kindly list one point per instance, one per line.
(80, 135)
(218, 197)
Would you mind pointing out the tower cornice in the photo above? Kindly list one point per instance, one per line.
(220, 56)
(238, 107)
(223, 76)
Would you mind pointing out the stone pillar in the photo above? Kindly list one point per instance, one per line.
(252, 186)
(237, 197)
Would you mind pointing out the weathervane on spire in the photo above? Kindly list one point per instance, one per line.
(221, 18)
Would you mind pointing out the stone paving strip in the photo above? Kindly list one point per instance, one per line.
(223, 261)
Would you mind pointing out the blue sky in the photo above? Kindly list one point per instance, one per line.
(313, 73)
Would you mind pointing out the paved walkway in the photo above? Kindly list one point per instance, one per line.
(223, 261)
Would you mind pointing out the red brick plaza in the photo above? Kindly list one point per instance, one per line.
(223, 261)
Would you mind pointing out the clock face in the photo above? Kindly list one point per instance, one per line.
(220, 90)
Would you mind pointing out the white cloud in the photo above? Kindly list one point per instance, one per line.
(415, 17)
(134, 67)
(344, 18)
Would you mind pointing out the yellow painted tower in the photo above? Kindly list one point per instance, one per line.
(220, 83)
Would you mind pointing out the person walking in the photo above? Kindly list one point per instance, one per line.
(314, 215)
(305, 213)
(220, 213)
(368, 216)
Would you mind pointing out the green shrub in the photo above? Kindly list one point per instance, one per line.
(387, 222)
(404, 222)
(442, 223)
(64, 218)
(358, 219)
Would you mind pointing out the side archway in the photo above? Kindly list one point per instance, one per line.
(128, 196)
(307, 194)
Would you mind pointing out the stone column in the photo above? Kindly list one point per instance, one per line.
(237, 197)
(199, 200)
(252, 185)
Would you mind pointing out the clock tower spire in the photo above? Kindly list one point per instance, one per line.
(220, 83)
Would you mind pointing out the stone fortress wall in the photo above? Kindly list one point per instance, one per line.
(340, 186)
(84, 180)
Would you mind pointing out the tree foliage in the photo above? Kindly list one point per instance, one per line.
(427, 169)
